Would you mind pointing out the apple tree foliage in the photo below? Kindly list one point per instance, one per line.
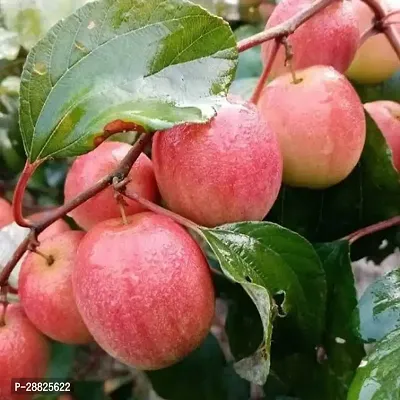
(294, 324)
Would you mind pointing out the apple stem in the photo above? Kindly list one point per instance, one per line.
(23, 180)
(161, 210)
(288, 61)
(266, 71)
(3, 305)
(353, 237)
(368, 33)
(49, 259)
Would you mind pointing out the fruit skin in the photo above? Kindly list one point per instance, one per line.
(54, 229)
(91, 167)
(386, 115)
(46, 290)
(329, 38)
(6, 215)
(227, 170)
(24, 351)
(144, 290)
(375, 60)
(320, 124)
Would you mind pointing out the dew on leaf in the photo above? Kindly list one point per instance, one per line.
(40, 69)
(91, 25)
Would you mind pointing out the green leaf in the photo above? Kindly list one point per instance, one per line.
(369, 195)
(377, 377)
(154, 63)
(325, 373)
(250, 64)
(204, 374)
(268, 260)
(61, 362)
(343, 349)
(378, 311)
(387, 90)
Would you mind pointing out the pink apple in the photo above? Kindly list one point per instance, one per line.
(227, 170)
(6, 214)
(54, 229)
(387, 116)
(320, 124)
(24, 351)
(331, 37)
(89, 168)
(45, 289)
(144, 290)
(376, 60)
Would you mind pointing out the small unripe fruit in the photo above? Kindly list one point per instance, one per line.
(320, 124)
(330, 37)
(24, 351)
(144, 290)
(227, 170)
(375, 60)
(386, 115)
(45, 289)
(91, 167)
(6, 215)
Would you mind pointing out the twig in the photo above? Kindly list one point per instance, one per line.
(266, 71)
(160, 210)
(389, 30)
(120, 172)
(380, 226)
(368, 33)
(285, 28)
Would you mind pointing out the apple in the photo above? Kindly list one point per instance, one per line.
(24, 351)
(375, 60)
(144, 290)
(45, 289)
(89, 168)
(226, 170)
(330, 37)
(57, 227)
(320, 124)
(6, 214)
(386, 115)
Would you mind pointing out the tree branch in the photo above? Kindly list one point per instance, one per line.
(285, 28)
(120, 172)
(389, 30)
(266, 71)
(380, 226)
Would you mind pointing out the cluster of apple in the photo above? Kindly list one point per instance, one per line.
(141, 287)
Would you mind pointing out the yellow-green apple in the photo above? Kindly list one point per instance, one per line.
(375, 61)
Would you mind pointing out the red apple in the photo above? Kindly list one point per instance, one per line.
(6, 214)
(45, 289)
(89, 168)
(386, 115)
(375, 60)
(54, 229)
(320, 124)
(227, 170)
(24, 351)
(330, 37)
(144, 290)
